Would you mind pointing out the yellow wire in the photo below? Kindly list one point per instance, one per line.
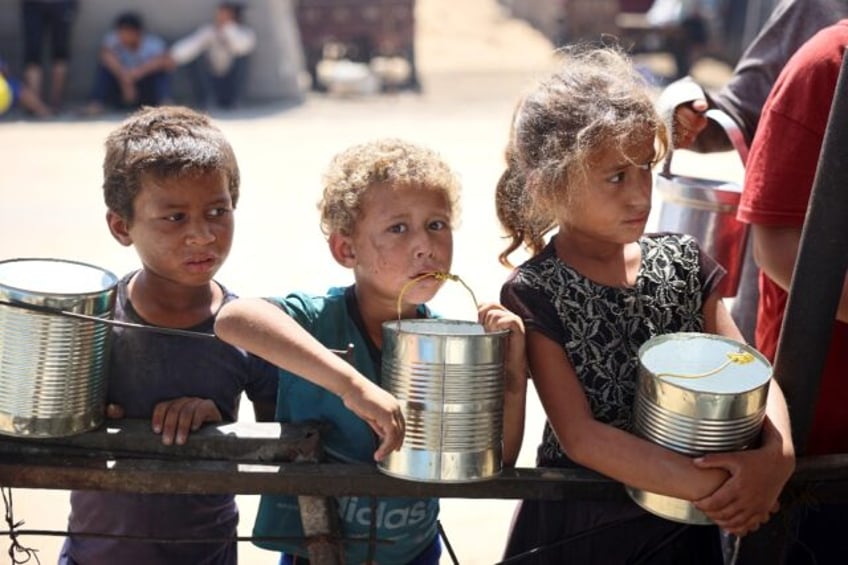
(438, 275)
(739, 357)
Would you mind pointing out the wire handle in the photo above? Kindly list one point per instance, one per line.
(438, 275)
(739, 357)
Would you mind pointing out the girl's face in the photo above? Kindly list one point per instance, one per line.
(402, 233)
(611, 202)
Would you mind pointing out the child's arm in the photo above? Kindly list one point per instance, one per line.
(604, 448)
(495, 317)
(265, 330)
(757, 476)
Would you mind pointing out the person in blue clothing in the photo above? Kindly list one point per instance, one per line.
(133, 68)
(387, 210)
(171, 184)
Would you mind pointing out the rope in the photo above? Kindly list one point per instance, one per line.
(16, 550)
(440, 276)
(740, 358)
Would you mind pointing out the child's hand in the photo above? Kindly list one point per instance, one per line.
(495, 317)
(175, 418)
(114, 411)
(381, 411)
(750, 496)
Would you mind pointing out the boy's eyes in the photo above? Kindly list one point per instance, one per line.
(218, 212)
(435, 225)
(213, 213)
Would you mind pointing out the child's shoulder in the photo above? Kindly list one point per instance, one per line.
(311, 304)
(670, 240)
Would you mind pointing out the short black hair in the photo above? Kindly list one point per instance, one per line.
(237, 8)
(129, 20)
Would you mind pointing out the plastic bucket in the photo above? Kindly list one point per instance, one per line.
(448, 376)
(52, 366)
(697, 393)
(706, 209)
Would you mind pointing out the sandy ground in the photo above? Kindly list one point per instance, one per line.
(474, 64)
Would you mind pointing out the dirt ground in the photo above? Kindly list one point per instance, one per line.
(474, 63)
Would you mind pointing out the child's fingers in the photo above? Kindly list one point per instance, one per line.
(114, 411)
(391, 436)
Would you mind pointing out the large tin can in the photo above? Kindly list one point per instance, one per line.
(53, 366)
(697, 394)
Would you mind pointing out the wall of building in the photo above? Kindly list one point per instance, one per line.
(275, 65)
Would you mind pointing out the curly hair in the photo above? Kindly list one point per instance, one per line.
(395, 162)
(165, 141)
(596, 99)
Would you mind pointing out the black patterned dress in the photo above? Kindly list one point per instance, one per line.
(601, 329)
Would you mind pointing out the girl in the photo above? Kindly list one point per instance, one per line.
(581, 152)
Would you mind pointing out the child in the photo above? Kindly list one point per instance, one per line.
(388, 209)
(171, 183)
(217, 53)
(133, 68)
(13, 92)
(585, 140)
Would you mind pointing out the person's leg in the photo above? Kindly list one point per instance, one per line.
(154, 89)
(105, 92)
(199, 75)
(33, 23)
(229, 87)
(60, 20)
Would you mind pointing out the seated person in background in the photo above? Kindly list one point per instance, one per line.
(13, 92)
(133, 68)
(218, 55)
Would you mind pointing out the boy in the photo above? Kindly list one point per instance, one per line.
(133, 68)
(217, 54)
(171, 183)
(387, 211)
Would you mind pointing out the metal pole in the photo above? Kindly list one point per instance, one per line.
(819, 274)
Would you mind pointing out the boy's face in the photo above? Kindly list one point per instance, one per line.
(402, 233)
(129, 37)
(182, 227)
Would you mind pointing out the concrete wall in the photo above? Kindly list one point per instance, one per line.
(274, 66)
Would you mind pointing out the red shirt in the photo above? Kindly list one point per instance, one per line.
(778, 181)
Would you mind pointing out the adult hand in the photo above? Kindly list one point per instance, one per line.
(689, 122)
(381, 411)
(174, 419)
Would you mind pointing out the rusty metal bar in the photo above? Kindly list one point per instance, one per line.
(819, 274)
(821, 477)
(131, 438)
(319, 518)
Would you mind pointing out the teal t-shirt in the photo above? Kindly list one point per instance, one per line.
(409, 524)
